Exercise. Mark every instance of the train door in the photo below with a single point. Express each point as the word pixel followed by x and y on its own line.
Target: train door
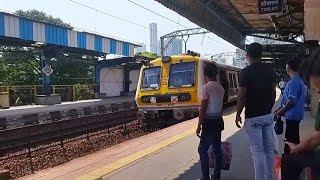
pixel 232 85
pixel 225 84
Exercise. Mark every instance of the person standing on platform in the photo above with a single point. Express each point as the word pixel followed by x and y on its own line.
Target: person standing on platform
pixel 292 104
pixel 210 123
pixel 282 85
pixel 257 94
pixel 306 153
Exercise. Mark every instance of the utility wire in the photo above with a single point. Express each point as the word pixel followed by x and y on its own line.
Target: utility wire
pixel 174 21
pixel 157 14
pixel 122 19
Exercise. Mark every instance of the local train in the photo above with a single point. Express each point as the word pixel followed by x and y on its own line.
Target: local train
pixel 170 86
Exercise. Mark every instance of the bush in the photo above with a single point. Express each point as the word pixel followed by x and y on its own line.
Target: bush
pixel 83 92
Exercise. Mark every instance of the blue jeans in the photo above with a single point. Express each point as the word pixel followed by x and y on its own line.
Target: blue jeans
pixel 259 131
pixel 207 139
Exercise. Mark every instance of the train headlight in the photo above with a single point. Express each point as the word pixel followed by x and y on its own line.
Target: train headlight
pixel 184 97
pixel 145 99
pixel 166 59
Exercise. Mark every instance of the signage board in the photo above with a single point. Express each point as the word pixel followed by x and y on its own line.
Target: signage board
pixel 47 70
pixel 269 7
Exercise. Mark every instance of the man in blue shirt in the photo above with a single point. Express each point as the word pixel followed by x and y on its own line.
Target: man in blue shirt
pixel 292 104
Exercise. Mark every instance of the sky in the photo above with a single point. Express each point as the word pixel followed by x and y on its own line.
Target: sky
pixel 92 20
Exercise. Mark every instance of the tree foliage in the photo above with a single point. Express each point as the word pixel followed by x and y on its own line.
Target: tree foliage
pixel 19 68
pixel 148 55
pixel 42 16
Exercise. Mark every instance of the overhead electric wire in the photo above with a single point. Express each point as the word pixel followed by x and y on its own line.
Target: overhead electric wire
pixel 108 14
pixel 173 21
pixel 158 14
pixel 103 12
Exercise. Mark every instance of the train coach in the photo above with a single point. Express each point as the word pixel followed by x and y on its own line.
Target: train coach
pixel 169 87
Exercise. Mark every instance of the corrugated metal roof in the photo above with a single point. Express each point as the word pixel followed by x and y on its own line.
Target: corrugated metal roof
pixel 234 19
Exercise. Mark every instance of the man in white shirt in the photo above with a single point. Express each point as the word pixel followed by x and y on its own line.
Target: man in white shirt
pixel 211 122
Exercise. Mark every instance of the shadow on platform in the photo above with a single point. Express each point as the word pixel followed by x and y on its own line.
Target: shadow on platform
pixel 241 166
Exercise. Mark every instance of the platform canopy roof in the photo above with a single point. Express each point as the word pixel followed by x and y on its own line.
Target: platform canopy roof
pixel 233 20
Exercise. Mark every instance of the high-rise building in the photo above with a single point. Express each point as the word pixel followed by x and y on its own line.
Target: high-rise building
pixel 174 48
pixel 240 59
pixel 140 49
pixel 153 38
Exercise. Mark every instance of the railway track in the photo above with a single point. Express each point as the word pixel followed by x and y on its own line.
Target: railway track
pixel 35 146
pixel 59 132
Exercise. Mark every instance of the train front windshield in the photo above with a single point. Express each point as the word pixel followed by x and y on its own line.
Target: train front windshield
pixel 182 75
pixel 151 78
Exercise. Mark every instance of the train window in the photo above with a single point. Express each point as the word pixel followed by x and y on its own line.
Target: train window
pixel 182 74
pixel 151 78
pixel 230 80
pixel 234 80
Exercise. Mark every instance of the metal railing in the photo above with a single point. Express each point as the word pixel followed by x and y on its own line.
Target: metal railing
pixel 26 94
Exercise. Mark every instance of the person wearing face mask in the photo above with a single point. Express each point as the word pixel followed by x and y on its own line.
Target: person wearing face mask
pixel 307 152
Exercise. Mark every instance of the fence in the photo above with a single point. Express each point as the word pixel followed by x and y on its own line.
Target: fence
pixel 26 94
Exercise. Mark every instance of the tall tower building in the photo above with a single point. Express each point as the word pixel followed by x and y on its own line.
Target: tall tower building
pixel 153 38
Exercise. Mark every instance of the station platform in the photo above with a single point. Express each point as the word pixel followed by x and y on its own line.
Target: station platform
pixel 37 109
pixel 167 154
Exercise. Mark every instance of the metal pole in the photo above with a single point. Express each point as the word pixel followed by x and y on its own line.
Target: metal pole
pixel 45 79
pixel 162 46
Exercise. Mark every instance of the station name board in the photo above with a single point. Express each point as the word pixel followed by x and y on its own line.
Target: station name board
pixel 270 6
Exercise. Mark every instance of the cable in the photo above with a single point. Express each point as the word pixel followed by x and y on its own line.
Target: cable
pixel 103 12
pixel 157 14
pixel 174 21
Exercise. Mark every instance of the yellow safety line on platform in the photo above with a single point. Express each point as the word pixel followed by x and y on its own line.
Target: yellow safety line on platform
pixel 104 170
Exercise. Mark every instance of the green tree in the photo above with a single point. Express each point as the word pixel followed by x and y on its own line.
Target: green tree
pixel 19 68
pixel 68 70
pixel 148 55
pixel 42 16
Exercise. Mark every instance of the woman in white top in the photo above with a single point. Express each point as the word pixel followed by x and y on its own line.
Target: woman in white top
pixel 211 122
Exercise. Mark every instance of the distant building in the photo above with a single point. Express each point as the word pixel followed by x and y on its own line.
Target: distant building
pixel 153 38
pixel 240 59
pixel 140 49
pixel 174 48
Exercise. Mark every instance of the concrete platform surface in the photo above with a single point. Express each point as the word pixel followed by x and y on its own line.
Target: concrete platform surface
pixel 36 109
pixel 168 154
